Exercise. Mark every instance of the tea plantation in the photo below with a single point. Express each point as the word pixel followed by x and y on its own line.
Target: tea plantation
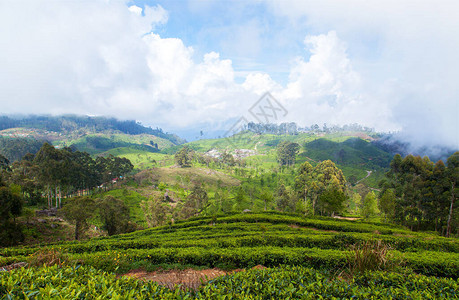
pixel 306 258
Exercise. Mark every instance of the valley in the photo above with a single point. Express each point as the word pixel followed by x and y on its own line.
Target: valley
pixel 263 215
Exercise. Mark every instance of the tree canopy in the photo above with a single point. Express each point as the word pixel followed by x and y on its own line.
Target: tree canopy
pixel 325 178
pixel 424 193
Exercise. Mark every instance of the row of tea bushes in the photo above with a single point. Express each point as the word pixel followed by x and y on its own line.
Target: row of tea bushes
pixel 278 283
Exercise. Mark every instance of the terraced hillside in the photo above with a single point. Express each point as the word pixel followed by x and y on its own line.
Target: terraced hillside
pixel 306 257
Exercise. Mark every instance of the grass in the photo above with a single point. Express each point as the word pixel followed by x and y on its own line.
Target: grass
pixel 142 159
pixel 132 199
pixel 100 142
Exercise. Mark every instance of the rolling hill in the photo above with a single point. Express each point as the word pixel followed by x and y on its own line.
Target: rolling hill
pixel 94 135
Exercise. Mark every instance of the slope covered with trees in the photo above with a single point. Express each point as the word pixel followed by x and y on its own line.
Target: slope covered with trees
pixel 422 195
pixel 72 123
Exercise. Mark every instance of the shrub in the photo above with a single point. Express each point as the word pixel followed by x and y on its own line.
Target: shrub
pixel 369 255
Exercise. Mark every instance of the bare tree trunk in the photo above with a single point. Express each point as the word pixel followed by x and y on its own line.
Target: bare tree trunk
pixel 313 206
pixel 448 226
pixel 57 197
pixel 49 197
pixel 60 197
pixel 77 230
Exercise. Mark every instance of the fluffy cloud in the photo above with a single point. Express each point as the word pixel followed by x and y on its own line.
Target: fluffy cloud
pixel 405 51
pixel 379 64
pixel 103 58
pixel 326 88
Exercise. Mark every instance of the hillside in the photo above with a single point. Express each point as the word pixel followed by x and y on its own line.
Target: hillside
pixel 94 135
pixel 295 249
pixel 356 153
pixel 83 124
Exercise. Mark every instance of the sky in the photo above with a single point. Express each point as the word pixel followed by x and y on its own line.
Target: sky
pixel 188 66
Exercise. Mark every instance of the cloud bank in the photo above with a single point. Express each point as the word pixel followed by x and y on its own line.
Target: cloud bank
pixel 388 65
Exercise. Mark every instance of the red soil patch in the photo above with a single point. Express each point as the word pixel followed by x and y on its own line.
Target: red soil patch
pixel 188 278
pixel 346 218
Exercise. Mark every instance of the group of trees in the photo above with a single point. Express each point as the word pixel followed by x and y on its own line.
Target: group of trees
pixel 10 208
pixel 272 128
pixel 286 153
pixel 157 209
pixel 337 128
pixel 292 128
pixel 112 212
pixel 184 157
pixel 55 173
pixel 321 188
pixel 420 194
pixel 15 148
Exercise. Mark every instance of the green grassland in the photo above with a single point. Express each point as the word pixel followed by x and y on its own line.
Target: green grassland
pixel 250 140
pixel 100 142
pixel 303 254
pixel 132 200
pixel 142 159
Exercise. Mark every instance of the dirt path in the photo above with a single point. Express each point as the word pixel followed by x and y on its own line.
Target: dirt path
pixel 189 278
pixel 368 175
pixel 346 218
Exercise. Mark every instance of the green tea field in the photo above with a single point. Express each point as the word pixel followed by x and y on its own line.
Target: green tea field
pixel 302 258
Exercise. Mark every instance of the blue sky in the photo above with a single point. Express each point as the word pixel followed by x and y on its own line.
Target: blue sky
pixel 196 65
pixel 247 33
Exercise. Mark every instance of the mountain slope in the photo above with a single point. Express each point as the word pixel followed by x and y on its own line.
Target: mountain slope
pixel 94 135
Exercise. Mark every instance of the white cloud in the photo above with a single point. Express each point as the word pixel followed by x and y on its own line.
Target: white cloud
pixel 105 58
pixel 326 88
pixel 100 58
pixel 135 9
pixel 260 83
pixel 406 52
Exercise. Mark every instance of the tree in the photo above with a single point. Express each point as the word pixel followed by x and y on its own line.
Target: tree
pixel 286 153
pixel 155 211
pixel 267 197
pixel 77 211
pixel 239 199
pixel 4 162
pixel 332 201
pixel 311 182
pixel 369 205
pixel 284 199
pixel 306 186
pixel 183 157
pixel 223 200
pixel 114 214
pixel 387 204
pixel 228 159
pixel 10 208
pixel 453 175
